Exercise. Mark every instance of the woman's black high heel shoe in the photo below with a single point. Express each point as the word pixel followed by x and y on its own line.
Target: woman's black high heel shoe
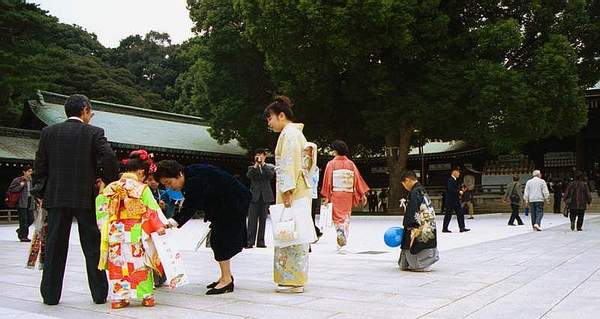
pixel 226 289
pixel 214 284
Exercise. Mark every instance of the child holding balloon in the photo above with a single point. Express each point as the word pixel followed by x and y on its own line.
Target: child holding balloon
pixel 419 243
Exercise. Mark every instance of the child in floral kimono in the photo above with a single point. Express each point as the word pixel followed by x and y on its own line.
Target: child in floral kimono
pixel 127 214
pixel 345 188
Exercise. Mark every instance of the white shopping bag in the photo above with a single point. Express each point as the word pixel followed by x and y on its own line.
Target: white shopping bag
pixel 300 213
pixel 171 261
pixel 326 216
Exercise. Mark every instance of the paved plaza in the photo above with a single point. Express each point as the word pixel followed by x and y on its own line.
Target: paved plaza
pixel 494 271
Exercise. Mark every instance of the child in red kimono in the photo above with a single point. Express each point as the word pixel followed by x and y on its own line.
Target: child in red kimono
pixel 345 188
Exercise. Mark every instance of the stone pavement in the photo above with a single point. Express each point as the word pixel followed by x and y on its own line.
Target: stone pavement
pixel 494 271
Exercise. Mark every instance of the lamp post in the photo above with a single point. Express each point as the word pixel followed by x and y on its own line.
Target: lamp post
pixel 421 143
pixel 422 153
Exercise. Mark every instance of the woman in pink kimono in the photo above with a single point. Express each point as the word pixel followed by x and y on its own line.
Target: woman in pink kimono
pixel 345 188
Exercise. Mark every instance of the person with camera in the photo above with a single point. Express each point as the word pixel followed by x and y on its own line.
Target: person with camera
pixel 260 174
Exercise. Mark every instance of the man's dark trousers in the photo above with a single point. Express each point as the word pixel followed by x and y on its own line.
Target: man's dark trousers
pixel 59 229
pixel 460 217
pixel 257 214
pixel 515 215
pixel 25 220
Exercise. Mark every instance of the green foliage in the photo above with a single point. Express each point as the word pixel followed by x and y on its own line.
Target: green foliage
pixel 227 83
pixel 442 67
pixel 38 52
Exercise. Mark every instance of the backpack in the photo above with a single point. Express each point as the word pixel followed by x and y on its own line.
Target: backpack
pixel 11 199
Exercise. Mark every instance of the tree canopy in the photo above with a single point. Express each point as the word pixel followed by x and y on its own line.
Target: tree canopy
pixel 384 75
pixel 39 52
pixel 496 74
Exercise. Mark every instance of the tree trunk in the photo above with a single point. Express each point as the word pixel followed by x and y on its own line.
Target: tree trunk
pixel 397 146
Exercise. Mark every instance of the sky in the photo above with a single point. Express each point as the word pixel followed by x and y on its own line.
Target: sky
pixel 113 20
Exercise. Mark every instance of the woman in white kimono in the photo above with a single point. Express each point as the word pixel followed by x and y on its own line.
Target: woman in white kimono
pixel 290 271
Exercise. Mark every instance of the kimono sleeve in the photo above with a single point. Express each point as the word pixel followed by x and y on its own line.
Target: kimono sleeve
pixel 150 220
pixel 288 168
pixel 416 198
pixel 101 209
pixel 327 187
pixel 102 218
pixel 360 186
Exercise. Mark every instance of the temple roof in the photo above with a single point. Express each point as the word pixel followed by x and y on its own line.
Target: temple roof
pixel 132 127
pixel 18 145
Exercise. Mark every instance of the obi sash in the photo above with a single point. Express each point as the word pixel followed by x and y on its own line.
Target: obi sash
pixel 343 180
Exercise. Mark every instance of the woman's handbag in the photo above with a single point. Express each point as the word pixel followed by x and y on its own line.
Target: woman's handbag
pixel 285 230
pixel 292 225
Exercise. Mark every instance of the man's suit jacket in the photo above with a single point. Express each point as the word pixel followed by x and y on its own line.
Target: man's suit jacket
pixel 66 164
pixel 452 195
pixel 260 179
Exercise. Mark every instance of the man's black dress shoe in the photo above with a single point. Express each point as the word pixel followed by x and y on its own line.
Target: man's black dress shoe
pixel 100 301
pixel 446 231
pixel 224 290
pixel 261 246
pixel 464 230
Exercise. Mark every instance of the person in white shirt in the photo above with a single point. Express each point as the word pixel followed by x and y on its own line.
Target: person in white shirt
pixel 536 193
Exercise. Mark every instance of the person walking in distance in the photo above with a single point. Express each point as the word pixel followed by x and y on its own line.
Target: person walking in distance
pixel 24 205
pixel 577 198
pixel 452 203
pixel 514 195
pixel 536 194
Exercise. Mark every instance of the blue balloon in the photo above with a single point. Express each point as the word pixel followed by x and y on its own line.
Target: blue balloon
pixel 393 236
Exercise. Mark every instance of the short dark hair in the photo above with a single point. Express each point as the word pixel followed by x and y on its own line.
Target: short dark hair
pixel 516 178
pixel 281 104
pixel 408 174
pixel 456 168
pixel 75 104
pixel 579 176
pixel 168 169
pixel 260 151
pixel 26 168
pixel 340 147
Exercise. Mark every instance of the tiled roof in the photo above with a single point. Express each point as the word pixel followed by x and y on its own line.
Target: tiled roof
pixel 131 126
pixel 19 145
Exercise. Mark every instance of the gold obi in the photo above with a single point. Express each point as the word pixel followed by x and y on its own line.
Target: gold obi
pixel 133 209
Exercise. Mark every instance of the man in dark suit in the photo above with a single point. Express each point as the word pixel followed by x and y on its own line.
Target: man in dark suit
pixel 452 203
pixel 64 177
pixel 260 175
